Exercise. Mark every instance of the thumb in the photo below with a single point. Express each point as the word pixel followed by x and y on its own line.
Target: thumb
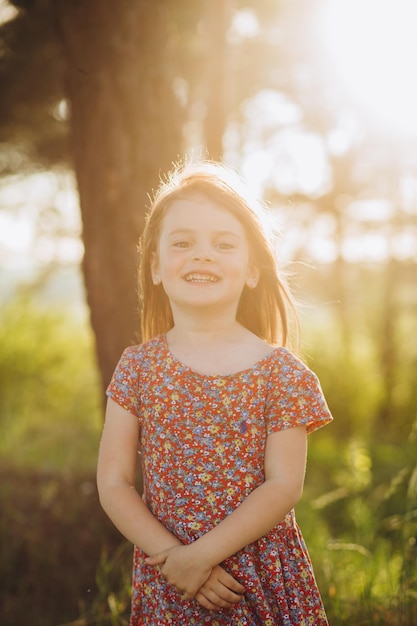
pixel 158 559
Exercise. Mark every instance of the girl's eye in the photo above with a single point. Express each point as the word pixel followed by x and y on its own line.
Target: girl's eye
pixel 181 244
pixel 224 245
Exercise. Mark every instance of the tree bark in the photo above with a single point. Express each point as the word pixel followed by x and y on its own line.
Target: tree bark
pixel 126 130
pixel 219 77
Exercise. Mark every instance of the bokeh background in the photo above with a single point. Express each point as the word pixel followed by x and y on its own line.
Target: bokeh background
pixel 315 104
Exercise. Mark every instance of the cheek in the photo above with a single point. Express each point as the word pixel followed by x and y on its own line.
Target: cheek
pixel 169 265
pixel 239 272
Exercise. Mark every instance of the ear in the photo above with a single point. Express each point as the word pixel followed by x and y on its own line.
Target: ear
pixel 252 276
pixel 156 278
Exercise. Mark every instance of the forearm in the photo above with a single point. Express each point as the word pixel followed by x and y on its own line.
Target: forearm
pixel 134 520
pixel 259 513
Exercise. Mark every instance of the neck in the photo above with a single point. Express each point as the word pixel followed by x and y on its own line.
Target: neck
pixel 204 322
pixel 216 350
pixel 202 334
pixel 205 328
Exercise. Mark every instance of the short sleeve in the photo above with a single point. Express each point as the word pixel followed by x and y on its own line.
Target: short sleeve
pixel 124 385
pixel 294 397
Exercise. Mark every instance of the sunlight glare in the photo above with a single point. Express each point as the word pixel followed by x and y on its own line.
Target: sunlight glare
pixel 372 47
pixel 245 25
pixel 7 11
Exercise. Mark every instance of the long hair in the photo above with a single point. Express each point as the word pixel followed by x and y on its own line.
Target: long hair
pixel 265 310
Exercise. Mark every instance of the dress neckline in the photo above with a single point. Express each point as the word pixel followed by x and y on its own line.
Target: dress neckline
pixel 163 340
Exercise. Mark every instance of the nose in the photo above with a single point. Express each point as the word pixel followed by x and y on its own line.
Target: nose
pixel 203 254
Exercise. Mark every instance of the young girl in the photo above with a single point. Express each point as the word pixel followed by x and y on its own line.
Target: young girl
pixel 219 410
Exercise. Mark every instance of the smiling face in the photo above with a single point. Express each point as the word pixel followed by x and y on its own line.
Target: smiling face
pixel 203 257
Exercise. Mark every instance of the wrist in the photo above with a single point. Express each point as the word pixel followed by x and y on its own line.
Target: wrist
pixel 166 546
pixel 203 552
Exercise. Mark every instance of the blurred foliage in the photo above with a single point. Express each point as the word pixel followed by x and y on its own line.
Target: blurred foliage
pixel 360 346
pixel 49 389
pixel 362 534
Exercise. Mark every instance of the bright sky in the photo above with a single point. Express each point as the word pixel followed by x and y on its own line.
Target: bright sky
pixel 43 229
pixel 371 48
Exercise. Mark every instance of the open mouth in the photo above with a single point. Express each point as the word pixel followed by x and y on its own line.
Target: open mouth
pixel 196 277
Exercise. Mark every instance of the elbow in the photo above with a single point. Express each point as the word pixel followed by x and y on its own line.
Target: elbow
pixel 107 493
pixel 296 488
pixel 101 482
pixel 113 491
pixel 290 493
pixel 102 492
pixel 297 493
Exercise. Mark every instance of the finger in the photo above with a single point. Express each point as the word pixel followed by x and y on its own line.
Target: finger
pixel 216 604
pixel 205 602
pixel 220 596
pixel 216 586
pixel 186 596
pixel 228 581
pixel 158 559
pixel 211 600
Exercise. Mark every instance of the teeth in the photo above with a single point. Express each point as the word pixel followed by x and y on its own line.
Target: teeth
pixel 201 278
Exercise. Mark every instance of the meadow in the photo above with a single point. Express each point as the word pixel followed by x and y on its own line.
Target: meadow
pixel 63 564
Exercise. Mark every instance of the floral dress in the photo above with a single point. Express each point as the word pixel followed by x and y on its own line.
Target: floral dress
pixel 202 441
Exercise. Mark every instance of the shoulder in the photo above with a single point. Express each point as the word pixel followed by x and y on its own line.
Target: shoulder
pixel 286 361
pixel 294 395
pixel 143 351
pixel 287 368
pixel 134 365
pixel 137 359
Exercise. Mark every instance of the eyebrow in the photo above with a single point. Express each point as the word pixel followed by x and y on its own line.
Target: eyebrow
pixel 190 231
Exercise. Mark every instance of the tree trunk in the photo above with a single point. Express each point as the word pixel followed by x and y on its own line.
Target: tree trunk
pixel 126 130
pixel 219 78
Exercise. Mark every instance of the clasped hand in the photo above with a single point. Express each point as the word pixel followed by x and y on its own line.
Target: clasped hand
pixel 212 587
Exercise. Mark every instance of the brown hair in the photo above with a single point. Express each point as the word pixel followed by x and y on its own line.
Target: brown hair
pixel 265 310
